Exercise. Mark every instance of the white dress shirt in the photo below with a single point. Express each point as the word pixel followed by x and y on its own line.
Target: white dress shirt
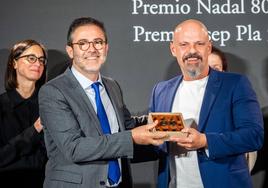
pixel 109 109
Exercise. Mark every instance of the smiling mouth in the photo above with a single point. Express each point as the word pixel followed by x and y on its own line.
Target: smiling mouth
pixel 37 71
pixel 91 57
pixel 192 59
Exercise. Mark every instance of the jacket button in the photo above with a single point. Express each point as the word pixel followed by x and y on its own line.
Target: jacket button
pixel 102 182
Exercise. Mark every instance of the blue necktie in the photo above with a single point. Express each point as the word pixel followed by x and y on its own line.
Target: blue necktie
pixel 113 170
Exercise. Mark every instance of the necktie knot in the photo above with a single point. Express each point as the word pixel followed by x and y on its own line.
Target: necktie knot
pixel 95 86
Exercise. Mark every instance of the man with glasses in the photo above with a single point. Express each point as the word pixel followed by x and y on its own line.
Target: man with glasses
pixel 85 119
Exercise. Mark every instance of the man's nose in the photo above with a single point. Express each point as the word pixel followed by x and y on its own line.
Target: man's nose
pixel 192 48
pixel 91 47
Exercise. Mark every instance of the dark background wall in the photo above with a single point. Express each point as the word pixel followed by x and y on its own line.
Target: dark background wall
pixel 139 32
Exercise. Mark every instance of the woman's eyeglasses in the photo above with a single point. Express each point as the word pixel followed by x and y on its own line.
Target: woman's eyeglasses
pixel 31 58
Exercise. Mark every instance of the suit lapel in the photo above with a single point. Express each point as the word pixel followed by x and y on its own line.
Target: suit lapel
pixel 171 92
pixel 166 103
pixel 210 95
pixel 112 93
pixel 77 90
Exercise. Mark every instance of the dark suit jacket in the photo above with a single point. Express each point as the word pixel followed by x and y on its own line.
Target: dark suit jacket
pixel 78 151
pixel 232 121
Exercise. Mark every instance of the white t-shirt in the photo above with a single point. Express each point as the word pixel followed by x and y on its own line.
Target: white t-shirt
pixel 188 101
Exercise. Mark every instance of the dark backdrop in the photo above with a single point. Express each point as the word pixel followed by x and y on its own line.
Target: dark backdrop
pixel 139 32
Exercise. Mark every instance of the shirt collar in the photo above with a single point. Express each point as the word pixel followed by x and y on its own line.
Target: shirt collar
pixel 198 84
pixel 17 99
pixel 84 81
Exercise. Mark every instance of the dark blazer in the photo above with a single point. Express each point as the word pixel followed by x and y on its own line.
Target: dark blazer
pixel 232 121
pixel 78 151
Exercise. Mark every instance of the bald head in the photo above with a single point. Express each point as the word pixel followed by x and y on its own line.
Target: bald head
pixel 191 46
pixel 190 26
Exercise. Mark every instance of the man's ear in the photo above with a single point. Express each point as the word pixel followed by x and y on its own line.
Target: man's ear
pixel 172 49
pixel 210 47
pixel 107 48
pixel 69 51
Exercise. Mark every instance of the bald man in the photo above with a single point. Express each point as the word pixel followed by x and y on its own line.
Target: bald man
pixel 225 109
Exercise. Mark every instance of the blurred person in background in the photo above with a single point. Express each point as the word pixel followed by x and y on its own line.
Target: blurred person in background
pixel 217 60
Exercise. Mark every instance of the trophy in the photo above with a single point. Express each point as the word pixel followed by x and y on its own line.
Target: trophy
pixel 171 123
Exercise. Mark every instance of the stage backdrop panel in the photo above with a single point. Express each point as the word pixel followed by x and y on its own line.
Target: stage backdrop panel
pixel 139 32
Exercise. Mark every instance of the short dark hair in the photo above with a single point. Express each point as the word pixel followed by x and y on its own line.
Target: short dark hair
pixel 81 22
pixel 222 57
pixel 11 75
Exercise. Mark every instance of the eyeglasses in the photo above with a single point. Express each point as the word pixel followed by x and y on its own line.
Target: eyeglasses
pixel 84 44
pixel 31 58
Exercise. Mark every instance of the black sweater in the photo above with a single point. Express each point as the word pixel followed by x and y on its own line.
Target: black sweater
pixel 22 150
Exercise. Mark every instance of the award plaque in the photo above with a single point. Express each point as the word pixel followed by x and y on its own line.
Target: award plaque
pixel 171 123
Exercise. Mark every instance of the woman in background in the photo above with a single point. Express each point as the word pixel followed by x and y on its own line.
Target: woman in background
pixel 22 150
pixel 217 60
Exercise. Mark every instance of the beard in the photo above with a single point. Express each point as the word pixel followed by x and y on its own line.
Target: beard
pixel 194 73
pixel 193 70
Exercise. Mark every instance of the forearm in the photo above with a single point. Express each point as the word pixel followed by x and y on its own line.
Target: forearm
pixel 18 146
